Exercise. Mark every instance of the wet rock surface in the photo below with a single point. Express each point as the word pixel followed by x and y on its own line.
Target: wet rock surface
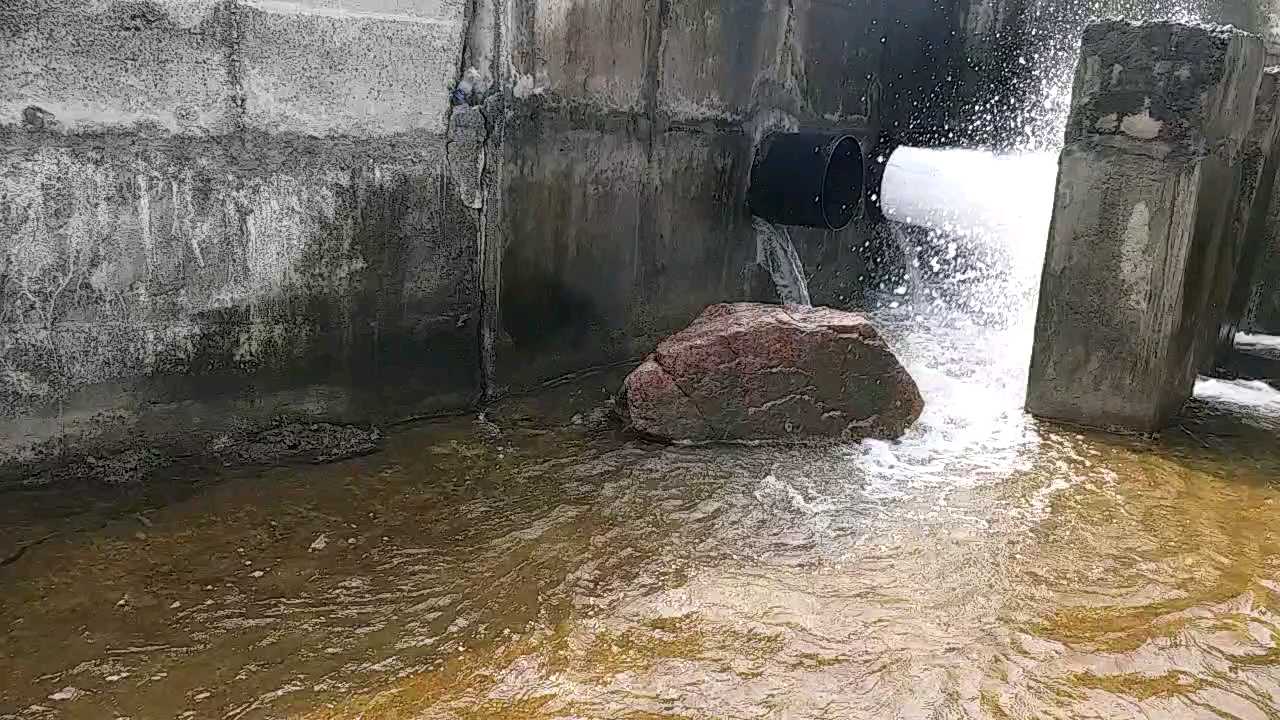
pixel 287 443
pixel 749 372
pixel 315 443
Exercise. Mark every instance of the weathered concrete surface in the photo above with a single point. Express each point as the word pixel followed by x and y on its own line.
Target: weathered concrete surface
pixel 1262 304
pixel 220 214
pixel 101 66
pixel 625 179
pixel 1149 177
pixel 1253 218
pixel 348 75
pixel 750 372
pixel 1263 315
pixel 214 217
pixel 601 274
pixel 273 276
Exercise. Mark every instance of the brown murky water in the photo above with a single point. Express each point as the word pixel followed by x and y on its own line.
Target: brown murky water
pixel 984 567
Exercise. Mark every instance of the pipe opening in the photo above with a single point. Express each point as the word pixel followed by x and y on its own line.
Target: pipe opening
pixel 842 185
pixel 808 179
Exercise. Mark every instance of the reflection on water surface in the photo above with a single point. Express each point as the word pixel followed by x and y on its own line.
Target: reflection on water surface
pixel 984 567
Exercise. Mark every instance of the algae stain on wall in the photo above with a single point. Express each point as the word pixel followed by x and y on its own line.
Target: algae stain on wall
pixel 110 271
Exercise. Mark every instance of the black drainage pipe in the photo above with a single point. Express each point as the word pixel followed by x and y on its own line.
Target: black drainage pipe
pixel 811 179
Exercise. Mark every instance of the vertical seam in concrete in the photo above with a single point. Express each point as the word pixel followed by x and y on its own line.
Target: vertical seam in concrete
pixel 486 296
pixel 485 331
pixel 790 79
pixel 651 86
pixel 233 38
pixel 654 41
pixel 468 16
pixel 492 180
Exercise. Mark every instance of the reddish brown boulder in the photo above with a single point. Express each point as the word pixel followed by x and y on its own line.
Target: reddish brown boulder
pixel 764 372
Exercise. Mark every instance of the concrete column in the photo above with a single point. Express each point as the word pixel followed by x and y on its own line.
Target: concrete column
pixel 1255 218
pixel 1148 180
pixel 1263 315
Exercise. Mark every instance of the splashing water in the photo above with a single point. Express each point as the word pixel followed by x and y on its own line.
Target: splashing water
pixel 985 219
pixel 1252 394
pixel 980 217
pixel 776 253
pixel 972 224
pixel 913 284
pixel 1265 344
pixel 1035 117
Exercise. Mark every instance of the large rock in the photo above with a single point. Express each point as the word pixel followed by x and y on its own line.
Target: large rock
pixel 763 372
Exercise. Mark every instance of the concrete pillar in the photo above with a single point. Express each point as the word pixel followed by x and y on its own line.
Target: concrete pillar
pixel 1147 183
pixel 1255 219
pixel 1263 314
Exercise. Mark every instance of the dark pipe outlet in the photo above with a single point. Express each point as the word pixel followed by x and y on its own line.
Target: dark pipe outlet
pixel 811 179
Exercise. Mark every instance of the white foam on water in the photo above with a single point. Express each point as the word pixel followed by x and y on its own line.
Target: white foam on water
pixel 1251 394
pixel 1250 341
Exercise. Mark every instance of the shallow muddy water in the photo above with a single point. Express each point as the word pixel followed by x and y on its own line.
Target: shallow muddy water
pixel 985 567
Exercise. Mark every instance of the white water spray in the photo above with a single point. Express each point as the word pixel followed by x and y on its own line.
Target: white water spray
pixel 988 212
pixel 985 218
pixel 970 192
pixel 975 198
pixel 1037 119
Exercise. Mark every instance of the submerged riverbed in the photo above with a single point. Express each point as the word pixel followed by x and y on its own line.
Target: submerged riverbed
pixel 987 566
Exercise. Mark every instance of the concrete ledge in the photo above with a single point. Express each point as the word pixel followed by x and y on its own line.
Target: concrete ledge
pixel 342 74
pixel 130 64
pixel 189 417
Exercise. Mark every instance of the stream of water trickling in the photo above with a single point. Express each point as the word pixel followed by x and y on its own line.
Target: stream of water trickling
pixel 776 253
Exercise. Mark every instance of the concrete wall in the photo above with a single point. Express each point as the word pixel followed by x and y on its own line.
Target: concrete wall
pixel 218 215
pixel 627 168
pixel 213 214
pixel 1253 219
